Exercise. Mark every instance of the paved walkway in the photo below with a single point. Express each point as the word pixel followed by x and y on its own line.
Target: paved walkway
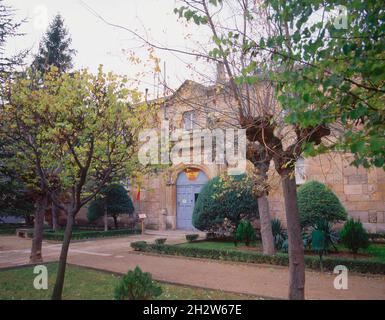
pixel 262 280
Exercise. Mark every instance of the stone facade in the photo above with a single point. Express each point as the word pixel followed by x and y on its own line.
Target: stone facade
pixel 361 191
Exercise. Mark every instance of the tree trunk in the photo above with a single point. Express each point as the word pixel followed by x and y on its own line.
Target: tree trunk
pixel 115 221
pixel 55 217
pixel 265 221
pixel 36 255
pixel 296 250
pixel 58 289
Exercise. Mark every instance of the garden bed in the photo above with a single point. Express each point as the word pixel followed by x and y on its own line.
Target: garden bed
pixel 282 259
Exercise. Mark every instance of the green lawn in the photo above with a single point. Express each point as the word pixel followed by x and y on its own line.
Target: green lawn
pixel 376 251
pixel 86 284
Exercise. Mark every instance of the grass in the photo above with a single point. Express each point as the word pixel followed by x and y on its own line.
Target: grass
pixel 376 251
pixel 87 284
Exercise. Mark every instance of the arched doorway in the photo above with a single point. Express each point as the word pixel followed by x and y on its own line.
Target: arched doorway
pixel 188 186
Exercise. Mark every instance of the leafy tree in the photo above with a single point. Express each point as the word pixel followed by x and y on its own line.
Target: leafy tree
pixel 73 133
pixel 113 201
pixel 137 285
pixel 316 201
pixel 338 70
pixel 54 49
pixel 224 197
pixel 354 236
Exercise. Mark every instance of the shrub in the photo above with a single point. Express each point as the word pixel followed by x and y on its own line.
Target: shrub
pixel 160 240
pixel 316 201
pixel 137 285
pixel 330 237
pixel 354 236
pixel 224 197
pixel 138 245
pixel 245 232
pixel 279 233
pixel 192 237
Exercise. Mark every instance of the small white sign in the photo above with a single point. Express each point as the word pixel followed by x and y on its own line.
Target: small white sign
pixel 142 216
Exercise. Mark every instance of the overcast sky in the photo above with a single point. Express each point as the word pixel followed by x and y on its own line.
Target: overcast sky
pixel 98 43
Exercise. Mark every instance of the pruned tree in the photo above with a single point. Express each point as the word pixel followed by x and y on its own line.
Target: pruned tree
pixel 80 124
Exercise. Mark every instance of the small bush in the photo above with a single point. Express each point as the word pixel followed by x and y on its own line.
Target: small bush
pixel 354 236
pixel 160 240
pixel 138 245
pixel 316 201
pixel 279 233
pixel 137 285
pixel 330 236
pixel 192 237
pixel 245 232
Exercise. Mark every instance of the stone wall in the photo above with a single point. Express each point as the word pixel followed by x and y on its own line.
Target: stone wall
pixel 361 191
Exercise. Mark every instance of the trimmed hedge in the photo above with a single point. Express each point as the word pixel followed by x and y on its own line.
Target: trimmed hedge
pixel 317 201
pixel 281 259
pixel 89 234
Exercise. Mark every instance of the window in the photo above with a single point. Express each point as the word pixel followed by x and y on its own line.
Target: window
pixel 189 120
pixel 300 176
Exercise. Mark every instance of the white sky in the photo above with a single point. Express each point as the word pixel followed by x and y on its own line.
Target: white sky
pixel 98 43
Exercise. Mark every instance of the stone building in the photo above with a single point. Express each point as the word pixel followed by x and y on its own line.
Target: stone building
pixel 168 195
